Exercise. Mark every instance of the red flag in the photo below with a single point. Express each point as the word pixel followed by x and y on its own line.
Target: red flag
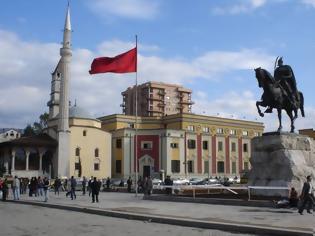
pixel 123 63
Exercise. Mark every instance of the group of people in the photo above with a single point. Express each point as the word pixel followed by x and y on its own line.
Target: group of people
pixel 37 186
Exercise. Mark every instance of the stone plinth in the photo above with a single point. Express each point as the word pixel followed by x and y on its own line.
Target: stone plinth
pixel 282 160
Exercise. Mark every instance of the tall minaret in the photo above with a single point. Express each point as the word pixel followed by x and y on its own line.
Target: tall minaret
pixel 63 122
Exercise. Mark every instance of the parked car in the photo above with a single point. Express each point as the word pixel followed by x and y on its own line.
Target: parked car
pixel 196 181
pixel 180 181
pixel 156 181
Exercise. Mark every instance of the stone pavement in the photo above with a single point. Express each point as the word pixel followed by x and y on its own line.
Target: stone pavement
pixel 256 220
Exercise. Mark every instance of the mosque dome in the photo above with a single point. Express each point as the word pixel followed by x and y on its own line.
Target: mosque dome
pixel 79 112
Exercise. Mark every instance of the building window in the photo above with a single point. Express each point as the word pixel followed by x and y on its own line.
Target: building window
pixel 220 146
pixel 190 128
pixel 191 143
pixel 205 129
pixel 219 131
pixel 233 167
pixel 77 166
pixel 84 132
pixel 96 152
pixel 246 165
pixel 233 147
pixel 205 145
pixel 77 152
pixel 245 133
pixel 146 145
pixel 118 143
pixel 245 147
pixel 206 167
pixel 174 145
pixel 131 125
pixel 190 166
pixel 118 166
pixel 220 166
pixel 175 165
pixel 96 166
pixel 232 132
pixel 256 134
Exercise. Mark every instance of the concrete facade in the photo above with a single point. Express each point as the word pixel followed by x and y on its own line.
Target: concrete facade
pixel 157 99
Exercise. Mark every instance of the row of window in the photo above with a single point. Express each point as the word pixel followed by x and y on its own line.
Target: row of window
pixel 191 144
pixel 77 166
pixel 175 166
pixel 96 152
pixel 219 130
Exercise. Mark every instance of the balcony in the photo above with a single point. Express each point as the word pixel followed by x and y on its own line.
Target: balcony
pixel 123 105
pixel 157 98
pixel 189 102
pixel 162 93
pixel 162 104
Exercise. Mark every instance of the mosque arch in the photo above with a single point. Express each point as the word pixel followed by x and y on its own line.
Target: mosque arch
pixel 20 159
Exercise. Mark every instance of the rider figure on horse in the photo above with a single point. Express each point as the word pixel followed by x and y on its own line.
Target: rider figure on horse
pixel 284 76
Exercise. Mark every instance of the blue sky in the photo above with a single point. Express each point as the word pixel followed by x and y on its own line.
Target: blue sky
pixel 211 47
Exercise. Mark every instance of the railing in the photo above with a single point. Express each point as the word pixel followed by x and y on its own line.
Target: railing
pixel 217 187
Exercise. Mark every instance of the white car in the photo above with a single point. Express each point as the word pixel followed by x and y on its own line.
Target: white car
pixel 180 181
pixel 156 181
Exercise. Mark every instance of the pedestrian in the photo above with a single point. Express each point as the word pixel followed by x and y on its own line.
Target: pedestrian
pixel 89 185
pixel 57 185
pixel 46 188
pixel 40 186
pixel 140 184
pixel 168 182
pixel 107 182
pixel 150 185
pixel 5 189
pixel 73 183
pixel 293 198
pixel 83 185
pixel 95 187
pixel 129 183
pixel 16 188
pixel 145 185
pixel 306 196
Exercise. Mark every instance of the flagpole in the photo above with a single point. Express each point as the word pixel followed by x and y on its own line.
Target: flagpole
pixel 136 123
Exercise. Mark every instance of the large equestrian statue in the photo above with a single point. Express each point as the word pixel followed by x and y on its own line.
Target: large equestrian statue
pixel 280 92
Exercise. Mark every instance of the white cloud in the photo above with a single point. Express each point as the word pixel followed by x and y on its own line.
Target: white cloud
pixel 136 9
pixel 309 2
pixel 242 6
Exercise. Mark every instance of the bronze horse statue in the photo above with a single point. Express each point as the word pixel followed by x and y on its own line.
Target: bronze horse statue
pixel 274 96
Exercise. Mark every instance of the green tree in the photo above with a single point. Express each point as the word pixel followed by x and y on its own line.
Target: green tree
pixel 37 127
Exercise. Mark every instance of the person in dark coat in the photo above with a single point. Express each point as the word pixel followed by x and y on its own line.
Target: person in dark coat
pixel 83 185
pixel 5 188
pixel 306 196
pixel 107 182
pixel 168 182
pixel 129 183
pixel 73 184
pixel 57 185
pixel 95 187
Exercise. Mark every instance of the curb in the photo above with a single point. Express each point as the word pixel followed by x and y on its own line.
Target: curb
pixel 216 201
pixel 236 228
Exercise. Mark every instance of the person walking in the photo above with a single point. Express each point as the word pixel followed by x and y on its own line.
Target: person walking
pixel 150 185
pixel 129 183
pixel 73 184
pixel 46 188
pixel 306 196
pixel 5 189
pixel 83 185
pixel 95 187
pixel 90 185
pixel 107 183
pixel 40 186
pixel 16 188
pixel 57 185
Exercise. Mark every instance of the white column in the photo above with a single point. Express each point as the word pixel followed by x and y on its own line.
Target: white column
pixel 13 161
pixel 27 153
pixel 41 152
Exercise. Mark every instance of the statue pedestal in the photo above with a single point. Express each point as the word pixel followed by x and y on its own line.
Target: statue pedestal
pixel 281 160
